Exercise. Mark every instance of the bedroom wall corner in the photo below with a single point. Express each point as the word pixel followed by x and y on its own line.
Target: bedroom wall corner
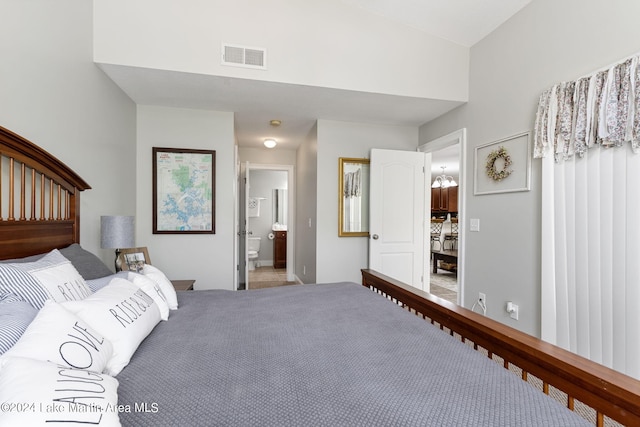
pixel 53 94
pixel 509 70
pixel 207 258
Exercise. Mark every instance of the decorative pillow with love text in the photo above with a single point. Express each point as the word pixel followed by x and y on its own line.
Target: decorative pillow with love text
pixel 59 336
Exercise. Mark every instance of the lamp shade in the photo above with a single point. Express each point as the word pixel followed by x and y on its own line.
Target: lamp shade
pixel 117 232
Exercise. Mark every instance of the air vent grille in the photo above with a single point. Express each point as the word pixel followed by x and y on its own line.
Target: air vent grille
pixel 243 56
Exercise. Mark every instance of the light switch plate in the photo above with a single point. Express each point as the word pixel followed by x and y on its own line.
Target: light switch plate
pixel 474 224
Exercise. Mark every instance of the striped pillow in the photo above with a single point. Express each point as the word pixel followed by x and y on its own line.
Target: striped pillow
pixel 51 277
pixel 19 282
pixel 15 316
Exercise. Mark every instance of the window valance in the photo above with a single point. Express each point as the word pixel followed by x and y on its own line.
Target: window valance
pixel 599 110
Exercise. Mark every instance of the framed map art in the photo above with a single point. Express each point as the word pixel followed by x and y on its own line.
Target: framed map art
pixel 183 191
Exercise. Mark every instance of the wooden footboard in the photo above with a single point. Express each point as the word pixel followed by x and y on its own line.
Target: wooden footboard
pixel 610 394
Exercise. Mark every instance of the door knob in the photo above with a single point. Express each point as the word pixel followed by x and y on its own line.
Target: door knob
pixel 375 237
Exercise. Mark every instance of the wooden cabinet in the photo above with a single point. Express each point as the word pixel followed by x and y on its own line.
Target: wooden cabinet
pixel 453 199
pixel 280 249
pixel 439 199
pixel 444 199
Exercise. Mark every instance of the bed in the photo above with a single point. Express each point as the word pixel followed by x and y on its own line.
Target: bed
pixel 375 353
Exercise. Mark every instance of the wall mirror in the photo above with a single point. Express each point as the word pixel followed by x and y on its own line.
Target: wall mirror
pixel 353 197
pixel 280 206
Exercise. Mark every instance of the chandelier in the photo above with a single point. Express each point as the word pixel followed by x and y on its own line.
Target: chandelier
pixel 443 180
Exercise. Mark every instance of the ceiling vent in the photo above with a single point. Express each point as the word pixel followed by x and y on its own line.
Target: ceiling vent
pixel 244 56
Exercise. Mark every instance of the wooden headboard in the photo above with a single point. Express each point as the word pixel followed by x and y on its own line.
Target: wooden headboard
pixel 39 199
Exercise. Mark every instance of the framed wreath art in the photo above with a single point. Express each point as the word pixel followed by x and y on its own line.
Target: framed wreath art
pixel 503 166
pixel 501 156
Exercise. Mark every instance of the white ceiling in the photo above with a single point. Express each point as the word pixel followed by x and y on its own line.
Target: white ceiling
pixel 464 22
pixel 449 158
pixel 255 103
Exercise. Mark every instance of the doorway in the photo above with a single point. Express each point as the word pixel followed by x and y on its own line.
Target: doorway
pixel 266 216
pixel 449 151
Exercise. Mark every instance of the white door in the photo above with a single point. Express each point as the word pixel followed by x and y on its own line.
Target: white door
pixel 245 227
pixel 398 214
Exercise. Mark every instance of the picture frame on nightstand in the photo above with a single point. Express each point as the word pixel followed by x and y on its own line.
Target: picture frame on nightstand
pixel 133 259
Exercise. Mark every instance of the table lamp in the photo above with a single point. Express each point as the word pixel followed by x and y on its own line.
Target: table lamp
pixel 117 232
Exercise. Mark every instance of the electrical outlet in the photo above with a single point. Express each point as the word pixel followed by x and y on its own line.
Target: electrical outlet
pixel 514 313
pixel 512 309
pixel 482 298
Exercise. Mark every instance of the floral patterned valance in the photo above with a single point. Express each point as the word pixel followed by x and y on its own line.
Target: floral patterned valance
pixel 599 110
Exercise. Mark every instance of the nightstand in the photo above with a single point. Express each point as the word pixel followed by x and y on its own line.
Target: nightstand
pixel 183 285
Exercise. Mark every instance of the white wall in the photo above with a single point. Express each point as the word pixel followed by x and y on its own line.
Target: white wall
pixel 509 70
pixel 207 258
pixel 266 156
pixel 320 43
pixel 341 258
pixel 52 94
pixel 306 207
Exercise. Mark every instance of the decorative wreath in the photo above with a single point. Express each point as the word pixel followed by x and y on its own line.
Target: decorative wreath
pixel 492 171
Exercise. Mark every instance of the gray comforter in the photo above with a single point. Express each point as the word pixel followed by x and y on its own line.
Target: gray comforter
pixel 317 355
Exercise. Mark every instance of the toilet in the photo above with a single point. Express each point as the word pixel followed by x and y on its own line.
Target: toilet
pixel 254 249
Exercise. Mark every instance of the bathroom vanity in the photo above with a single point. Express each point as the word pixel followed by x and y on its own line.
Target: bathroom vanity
pixel 280 249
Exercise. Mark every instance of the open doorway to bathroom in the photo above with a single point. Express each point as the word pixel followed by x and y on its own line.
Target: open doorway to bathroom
pixel 267 253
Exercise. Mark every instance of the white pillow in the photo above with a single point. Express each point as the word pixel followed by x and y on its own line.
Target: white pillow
pixel 152 289
pixel 59 336
pixel 37 393
pixel 121 312
pixel 96 284
pixel 165 284
pixel 51 277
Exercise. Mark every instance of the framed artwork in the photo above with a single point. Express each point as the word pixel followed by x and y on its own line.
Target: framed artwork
pixel 353 197
pixel 183 191
pixel 503 166
pixel 133 259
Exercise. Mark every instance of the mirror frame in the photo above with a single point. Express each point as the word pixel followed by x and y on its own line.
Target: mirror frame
pixel 342 162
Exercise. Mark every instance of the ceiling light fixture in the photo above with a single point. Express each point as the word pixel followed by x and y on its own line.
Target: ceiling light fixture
pixel 443 180
pixel 270 143
pixel 275 123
